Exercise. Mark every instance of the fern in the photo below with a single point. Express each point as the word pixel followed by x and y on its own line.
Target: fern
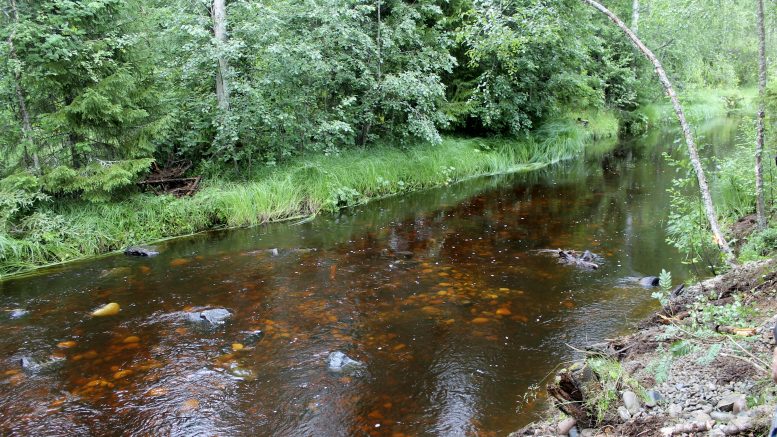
pixel 681 348
pixel 710 355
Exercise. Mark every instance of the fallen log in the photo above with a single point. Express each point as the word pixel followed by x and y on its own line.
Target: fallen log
pixel 170 180
pixel 684 428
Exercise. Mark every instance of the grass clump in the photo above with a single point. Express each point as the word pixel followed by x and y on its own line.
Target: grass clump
pixel 612 378
pixel 760 245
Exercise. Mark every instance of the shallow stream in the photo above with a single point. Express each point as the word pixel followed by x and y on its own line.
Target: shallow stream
pixel 442 296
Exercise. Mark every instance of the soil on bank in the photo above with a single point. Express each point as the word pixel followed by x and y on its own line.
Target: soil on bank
pixel 688 382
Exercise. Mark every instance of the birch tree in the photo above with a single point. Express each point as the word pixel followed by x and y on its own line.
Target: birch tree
pixel 759 138
pixel 219 13
pixel 693 152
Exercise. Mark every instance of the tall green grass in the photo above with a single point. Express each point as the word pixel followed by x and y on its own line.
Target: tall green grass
pixel 69 230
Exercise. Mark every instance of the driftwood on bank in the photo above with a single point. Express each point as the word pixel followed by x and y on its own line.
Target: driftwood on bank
pixel 169 179
pixel 569 398
pixel 684 428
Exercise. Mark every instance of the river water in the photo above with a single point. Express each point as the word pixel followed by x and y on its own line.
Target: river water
pixel 443 296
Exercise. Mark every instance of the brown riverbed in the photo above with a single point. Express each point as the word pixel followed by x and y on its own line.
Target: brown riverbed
pixel 441 294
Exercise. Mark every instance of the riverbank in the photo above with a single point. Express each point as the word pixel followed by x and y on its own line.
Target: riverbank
pixel 60 231
pixel 701 364
pixel 56 231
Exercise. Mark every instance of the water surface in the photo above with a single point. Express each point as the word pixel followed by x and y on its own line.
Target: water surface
pixel 442 295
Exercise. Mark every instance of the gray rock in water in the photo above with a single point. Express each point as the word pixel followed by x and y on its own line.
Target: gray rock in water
pixel 29 364
pixel 214 316
pixel 18 313
pixel 140 251
pixel 338 362
pixel 631 402
pixel 649 281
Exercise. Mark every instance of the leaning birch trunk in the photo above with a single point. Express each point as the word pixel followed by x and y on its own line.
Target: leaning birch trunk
pixel 760 204
pixel 635 17
pixel 220 32
pixel 709 208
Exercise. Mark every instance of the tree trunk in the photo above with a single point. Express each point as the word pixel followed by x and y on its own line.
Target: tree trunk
pixel 219 13
pixel 693 153
pixel 635 17
pixel 29 159
pixel 760 205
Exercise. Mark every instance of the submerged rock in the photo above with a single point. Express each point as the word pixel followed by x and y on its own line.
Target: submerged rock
pixel 253 337
pixel 110 309
pixel 236 371
pixel 649 281
pixel 338 362
pixel 30 364
pixel 141 251
pixel 18 313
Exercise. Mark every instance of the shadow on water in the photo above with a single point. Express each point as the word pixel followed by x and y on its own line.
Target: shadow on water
pixel 441 294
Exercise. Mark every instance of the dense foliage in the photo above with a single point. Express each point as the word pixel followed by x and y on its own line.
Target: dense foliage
pixel 110 80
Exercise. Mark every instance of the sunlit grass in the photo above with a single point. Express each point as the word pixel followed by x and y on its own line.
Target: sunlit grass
pixel 699 105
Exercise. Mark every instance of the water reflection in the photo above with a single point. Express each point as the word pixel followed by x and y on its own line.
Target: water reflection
pixel 442 295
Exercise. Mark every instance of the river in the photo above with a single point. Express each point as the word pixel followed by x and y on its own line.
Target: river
pixel 442 295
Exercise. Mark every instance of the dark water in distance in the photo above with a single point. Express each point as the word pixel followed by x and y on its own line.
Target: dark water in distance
pixel 451 338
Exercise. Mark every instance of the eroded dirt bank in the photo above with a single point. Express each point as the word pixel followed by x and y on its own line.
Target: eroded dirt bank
pixel 700 366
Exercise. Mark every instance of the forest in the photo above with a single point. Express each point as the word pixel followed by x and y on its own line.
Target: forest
pixel 284 109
